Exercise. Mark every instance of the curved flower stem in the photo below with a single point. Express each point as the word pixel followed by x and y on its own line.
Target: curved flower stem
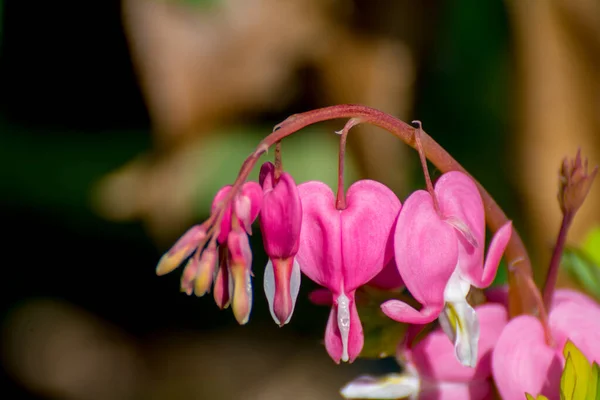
pixel 548 288
pixel 340 202
pixel 278 162
pixel 423 158
pixel 521 300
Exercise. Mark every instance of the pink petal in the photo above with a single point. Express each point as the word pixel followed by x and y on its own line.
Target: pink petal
pixel 250 207
pixel 426 255
pixel 497 294
pixel 580 323
pixel 569 295
pixel 320 251
pixel 334 342
pixel 225 226
pixel 459 199
pixel 402 312
pixel 248 204
pixel 221 287
pixel 435 359
pixel 388 279
pixel 281 217
pixel 475 390
pixel 522 362
pixel 321 297
pixel 367 221
pixel 266 171
pixel 460 202
pixel 484 278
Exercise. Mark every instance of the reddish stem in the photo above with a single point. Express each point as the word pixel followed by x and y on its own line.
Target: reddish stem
pixel 521 300
pixel 419 147
pixel 278 163
pixel 340 202
pixel 555 260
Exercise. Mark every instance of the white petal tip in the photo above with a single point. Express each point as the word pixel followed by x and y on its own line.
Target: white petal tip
pixel 393 386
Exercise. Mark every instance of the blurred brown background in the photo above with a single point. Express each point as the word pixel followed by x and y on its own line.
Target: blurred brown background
pixel 120 120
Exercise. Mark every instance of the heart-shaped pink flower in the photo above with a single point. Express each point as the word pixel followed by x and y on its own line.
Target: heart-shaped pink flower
pixel 439 254
pixel 344 249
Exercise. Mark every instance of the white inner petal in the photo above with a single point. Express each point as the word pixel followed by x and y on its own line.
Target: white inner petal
pixel 459 320
pixel 392 386
pixel 343 319
pixel 460 323
pixel 294 286
pixel 457 288
pixel 269 285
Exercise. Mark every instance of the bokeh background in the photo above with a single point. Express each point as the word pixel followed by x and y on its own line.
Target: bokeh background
pixel 119 120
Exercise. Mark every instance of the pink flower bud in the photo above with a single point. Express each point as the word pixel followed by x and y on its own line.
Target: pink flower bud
pixel 182 249
pixel 280 222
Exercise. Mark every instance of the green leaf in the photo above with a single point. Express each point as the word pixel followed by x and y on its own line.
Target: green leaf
pixel 591 245
pixel 583 270
pixel 593 389
pixel 568 380
pixel 575 380
pixel 539 397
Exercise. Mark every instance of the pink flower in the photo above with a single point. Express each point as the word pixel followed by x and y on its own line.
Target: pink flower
pixel 432 370
pixel 233 259
pixel 523 362
pixel 280 222
pixel 344 249
pixel 439 254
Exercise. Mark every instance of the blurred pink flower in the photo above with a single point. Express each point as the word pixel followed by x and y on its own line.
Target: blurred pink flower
pixel 523 362
pixel 280 222
pixel 432 370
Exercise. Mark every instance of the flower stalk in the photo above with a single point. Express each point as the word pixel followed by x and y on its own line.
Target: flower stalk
pixel 521 300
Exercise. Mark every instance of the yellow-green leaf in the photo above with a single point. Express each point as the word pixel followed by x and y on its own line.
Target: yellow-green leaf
pixel 568 380
pixel 581 370
pixel 539 397
pixel 591 245
pixel 593 389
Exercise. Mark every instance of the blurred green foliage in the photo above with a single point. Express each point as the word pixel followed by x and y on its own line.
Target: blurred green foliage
pixel 583 263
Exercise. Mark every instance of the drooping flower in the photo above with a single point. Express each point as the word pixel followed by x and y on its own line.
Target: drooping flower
pixel 432 370
pixel 344 249
pixel 524 362
pixel 220 251
pixel 440 254
pixel 280 222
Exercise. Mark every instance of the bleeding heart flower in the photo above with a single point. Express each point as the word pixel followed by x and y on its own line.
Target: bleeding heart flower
pixel 523 361
pixel 280 222
pixel 439 254
pixel 344 249
pixel 432 370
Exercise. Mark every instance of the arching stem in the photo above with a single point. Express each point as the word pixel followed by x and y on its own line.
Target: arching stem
pixel 521 300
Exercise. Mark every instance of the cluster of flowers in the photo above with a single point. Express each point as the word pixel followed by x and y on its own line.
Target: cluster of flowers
pixel 432 245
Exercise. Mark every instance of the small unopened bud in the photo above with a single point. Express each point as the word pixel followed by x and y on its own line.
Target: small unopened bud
pixel 575 183
pixel 182 249
pixel 188 276
pixel 206 271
